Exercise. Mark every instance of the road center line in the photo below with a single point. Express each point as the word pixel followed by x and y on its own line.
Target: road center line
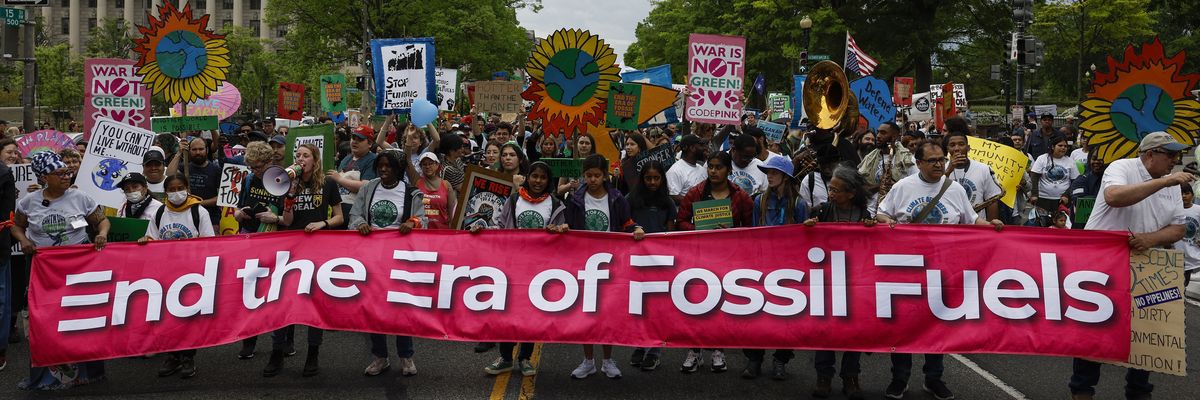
pixel 1016 394
pixel 528 383
pixel 500 385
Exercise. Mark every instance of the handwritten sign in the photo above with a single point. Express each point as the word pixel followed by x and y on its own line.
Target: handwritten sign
pixel 404 72
pixel 24 177
pixel 623 103
pixel 43 140
pixel 960 95
pixel 1083 209
pixel 902 90
pixel 773 130
pixel 333 93
pixel 114 151
pixel 1007 163
pixel 874 100
pixel 712 214
pixel 716 71
pixel 233 179
pixel 183 124
pixel 1157 337
pixel 564 167
pixel 112 90
pixel 222 103
pixel 499 97
pixel 291 101
pixel 447 86
pixel 663 154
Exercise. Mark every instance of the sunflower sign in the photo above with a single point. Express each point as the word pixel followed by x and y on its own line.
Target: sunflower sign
pixel 569 74
pixel 1144 93
pixel 180 58
pixel 404 72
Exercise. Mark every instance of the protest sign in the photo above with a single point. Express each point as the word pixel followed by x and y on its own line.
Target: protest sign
pixel 126 229
pixel 874 100
pixel 354 118
pixel 902 90
pixel 404 72
pixel 658 76
pixel 229 224
pixel 1158 312
pixel 333 93
pixel 291 101
pixel 316 135
pixel 180 58
pixel 498 97
pixel 223 103
pixel 114 151
pixel 1018 112
pixel 564 167
pixel 1007 163
pixel 112 90
pixel 447 86
pixel 716 68
pixel 773 130
pixel 1083 209
pixel 960 95
pixel 43 140
pixel 23 177
pixel 233 179
pixel 664 154
pixel 922 108
pixel 183 124
pixel 481 197
pixel 712 214
pixel 623 103
pixel 777 104
pixel 1044 109
pixel 798 100
pixel 851 288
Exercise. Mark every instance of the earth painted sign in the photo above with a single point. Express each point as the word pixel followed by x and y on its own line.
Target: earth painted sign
pixel 114 151
pixel 716 71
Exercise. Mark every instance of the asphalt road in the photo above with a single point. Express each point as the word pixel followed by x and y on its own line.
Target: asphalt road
pixel 450 370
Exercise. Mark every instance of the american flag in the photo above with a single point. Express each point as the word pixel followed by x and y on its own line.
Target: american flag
pixel 857 60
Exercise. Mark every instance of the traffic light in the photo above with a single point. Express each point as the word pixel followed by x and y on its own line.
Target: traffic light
pixel 1022 10
pixel 804 58
pixel 360 82
pixel 1030 52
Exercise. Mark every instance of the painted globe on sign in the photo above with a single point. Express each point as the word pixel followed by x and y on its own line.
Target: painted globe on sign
pixel 1140 110
pixel 572 77
pixel 181 54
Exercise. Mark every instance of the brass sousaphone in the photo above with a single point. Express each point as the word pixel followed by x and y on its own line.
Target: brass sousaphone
pixel 830 106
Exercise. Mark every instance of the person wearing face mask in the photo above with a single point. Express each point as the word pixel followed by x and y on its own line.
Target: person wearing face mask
pixel 204 176
pixel 138 201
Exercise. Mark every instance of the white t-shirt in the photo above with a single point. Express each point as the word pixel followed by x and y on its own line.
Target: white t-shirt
pixel 177 225
pixel 1080 158
pixel 535 215
pixel 347 195
pixel 909 196
pixel 63 222
pixel 683 177
pixel 1057 174
pixel 1162 208
pixel 750 179
pixel 819 193
pixel 595 213
pixel 1190 244
pixel 387 206
pixel 156 187
pixel 978 181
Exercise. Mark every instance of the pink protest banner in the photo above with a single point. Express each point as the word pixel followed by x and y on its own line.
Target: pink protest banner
pixel 942 289
pixel 43 140
pixel 716 69
pixel 222 103
pixel 111 90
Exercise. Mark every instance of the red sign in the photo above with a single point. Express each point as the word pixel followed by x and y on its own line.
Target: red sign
pixel 902 88
pixel 291 101
pixel 941 289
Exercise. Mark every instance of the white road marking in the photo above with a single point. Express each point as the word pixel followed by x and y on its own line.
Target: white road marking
pixel 1192 302
pixel 1016 394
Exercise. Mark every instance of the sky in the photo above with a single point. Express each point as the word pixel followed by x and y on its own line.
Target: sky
pixel 613 20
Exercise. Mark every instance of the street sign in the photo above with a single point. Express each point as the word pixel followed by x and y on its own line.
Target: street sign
pixel 183 124
pixel 818 57
pixel 33 3
pixel 13 16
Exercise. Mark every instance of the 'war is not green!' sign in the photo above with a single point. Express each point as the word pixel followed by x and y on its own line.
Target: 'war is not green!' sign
pixel 623 103
pixel 184 124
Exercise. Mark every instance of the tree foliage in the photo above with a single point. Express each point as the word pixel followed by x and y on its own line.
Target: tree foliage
pixel 110 39
pixel 60 78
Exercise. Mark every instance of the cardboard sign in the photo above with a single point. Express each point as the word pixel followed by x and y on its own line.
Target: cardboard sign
pixel 798 100
pixel 874 100
pixel 183 124
pixel 499 97
pixel 712 214
pixel 1157 337
pixel 1007 163
pixel 43 140
pixel 623 103
pixel 564 167
pixel 716 71
pixel 404 72
pixel 481 197
pixel 960 95
pixel 333 93
pixel 24 178
pixel 777 104
pixel 291 101
pixel 316 135
pixel 663 154
pixel 233 179
pixel 126 229
pixel 112 90
pixel 1083 209
pixel 222 103
pixel 114 151
pixel 773 130
pixel 902 90
pixel 447 88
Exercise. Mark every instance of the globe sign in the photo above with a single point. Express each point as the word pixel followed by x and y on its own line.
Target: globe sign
pixel 181 54
pixel 1140 110
pixel 572 77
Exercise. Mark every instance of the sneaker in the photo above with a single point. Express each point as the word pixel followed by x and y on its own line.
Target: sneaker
pixel 637 357
pixel 779 371
pixel 651 362
pixel 895 390
pixel 170 366
pixel 610 369
pixel 408 367
pixel 187 368
pixel 274 364
pixel 851 388
pixel 939 390
pixel 753 370
pixel 312 366
pixel 718 361
pixel 498 367
pixel 377 367
pixel 483 347
pixel 247 351
pixel 289 349
pixel 585 368
pixel 824 387
pixel 692 363
pixel 527 368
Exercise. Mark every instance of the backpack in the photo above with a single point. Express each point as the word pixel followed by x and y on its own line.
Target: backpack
pixel 195 217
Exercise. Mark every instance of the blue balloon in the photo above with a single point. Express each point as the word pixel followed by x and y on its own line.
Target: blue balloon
pixel 423 112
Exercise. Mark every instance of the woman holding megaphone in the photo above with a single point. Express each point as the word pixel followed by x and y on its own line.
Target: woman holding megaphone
pixel 312 204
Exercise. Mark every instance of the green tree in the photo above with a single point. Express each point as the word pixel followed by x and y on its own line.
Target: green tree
pixel 1080 33
pixel 60 78
pixel 111 39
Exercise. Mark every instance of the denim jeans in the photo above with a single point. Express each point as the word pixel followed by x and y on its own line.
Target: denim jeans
pixel 279 338
pixel 756 355
pixel 6 309
pixel 824 361
pixel 902 367
pixel 1086 374
pixel 506 351
pixel 404 346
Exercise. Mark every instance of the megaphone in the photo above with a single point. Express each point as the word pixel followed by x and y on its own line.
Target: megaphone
pixel 278 180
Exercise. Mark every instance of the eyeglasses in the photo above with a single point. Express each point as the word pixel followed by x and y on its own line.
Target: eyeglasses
pixel 834 189
pixel 1169 153
pixel 936 160
pixel 62 174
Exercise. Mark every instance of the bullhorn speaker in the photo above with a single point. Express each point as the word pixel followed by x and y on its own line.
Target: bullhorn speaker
pixel 277 181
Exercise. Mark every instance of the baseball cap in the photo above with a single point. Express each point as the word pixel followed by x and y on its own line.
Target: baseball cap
pixel 689 140
pixel 1160 139
pixel 778 163
pixel 132 178
pixel 257 136
pixel 154 154
pixel 428 155
pixel 1047 116
pixel 278 139
pixel 364 132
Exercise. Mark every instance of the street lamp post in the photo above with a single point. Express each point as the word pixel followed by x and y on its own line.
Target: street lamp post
pixel 806 26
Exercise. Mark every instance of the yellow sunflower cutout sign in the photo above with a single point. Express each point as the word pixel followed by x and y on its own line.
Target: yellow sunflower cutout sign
pixel 1144 93
pixel 570 73
pixel 179 57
